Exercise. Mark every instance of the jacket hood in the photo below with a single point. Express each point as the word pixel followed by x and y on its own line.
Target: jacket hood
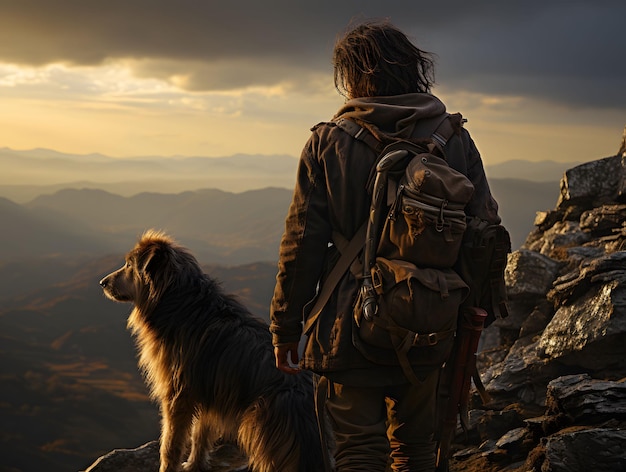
pixel 395 116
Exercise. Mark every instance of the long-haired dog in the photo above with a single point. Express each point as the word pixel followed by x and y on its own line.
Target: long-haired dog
pixel 210 365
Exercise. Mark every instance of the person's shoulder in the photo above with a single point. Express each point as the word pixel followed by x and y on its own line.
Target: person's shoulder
pixel 323 126
pixel 329 131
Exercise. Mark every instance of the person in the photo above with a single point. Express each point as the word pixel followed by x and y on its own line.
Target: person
pixel 377 415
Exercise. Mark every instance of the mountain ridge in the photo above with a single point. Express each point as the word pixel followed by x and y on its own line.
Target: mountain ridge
pixel 219 226
pixel 27 174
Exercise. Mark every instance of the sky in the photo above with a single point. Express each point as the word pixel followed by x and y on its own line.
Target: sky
pixel 536 79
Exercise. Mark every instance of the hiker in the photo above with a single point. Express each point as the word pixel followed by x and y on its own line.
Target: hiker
pixel 377 415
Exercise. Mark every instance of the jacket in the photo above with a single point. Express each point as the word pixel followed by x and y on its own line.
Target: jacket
pixel 330 196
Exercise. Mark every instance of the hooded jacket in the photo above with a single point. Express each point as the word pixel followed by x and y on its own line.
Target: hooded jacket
pixel 331 196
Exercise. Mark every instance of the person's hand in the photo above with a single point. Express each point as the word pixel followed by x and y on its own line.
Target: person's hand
pixel 285 353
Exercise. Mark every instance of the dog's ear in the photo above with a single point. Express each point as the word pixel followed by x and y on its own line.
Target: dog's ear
pixel 159 269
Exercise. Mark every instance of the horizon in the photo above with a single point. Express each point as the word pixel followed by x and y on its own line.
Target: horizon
pixel 214 80
pixel 27 173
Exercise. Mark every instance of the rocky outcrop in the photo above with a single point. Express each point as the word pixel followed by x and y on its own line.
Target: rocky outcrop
pixel 555 367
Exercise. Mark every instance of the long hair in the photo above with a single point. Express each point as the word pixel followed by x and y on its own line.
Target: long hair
pixel 377 59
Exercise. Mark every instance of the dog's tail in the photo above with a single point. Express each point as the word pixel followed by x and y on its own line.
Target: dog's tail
pixel 279 432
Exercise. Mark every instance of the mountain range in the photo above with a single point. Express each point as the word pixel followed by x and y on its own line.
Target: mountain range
pixel 27 174
pixel 228 210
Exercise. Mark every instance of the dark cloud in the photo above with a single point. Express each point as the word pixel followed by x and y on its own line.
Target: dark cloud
pixel 569 51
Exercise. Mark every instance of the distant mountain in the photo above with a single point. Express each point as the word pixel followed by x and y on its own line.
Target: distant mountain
pixel 38 233
pixel 519 202
pixel 536 171
pixel 26 174
pixel 220 227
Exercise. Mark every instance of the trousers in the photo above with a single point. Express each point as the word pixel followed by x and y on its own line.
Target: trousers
pixel 377 429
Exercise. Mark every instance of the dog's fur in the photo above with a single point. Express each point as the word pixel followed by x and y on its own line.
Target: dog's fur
pixel 210 365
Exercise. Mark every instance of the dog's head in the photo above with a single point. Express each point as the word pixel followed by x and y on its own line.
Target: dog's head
pixel 155 265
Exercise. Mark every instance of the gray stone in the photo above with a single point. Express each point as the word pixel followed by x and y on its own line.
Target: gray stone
pixel 606 269
pixel 545 220
pixel 537 320
pixel 587 400
pixel 225 458
pixel 597 450
pixel 522 375
pixel 512 438
pixel 563 234
pixel 591 184
pixel 593 317
pixel 604 220
pixel 621 184
pixel 144 458
pixel 529 274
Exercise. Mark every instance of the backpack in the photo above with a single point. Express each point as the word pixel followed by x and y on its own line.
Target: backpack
pixel 420 259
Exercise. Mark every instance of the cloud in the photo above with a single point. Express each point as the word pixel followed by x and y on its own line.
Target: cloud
pixel 568 52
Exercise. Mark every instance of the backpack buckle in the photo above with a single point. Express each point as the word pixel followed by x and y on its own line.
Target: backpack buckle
pixel 425 339
pixel 377 280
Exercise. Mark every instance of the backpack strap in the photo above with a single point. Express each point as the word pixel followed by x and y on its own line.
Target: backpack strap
pixel 360 133
pixel 348 254
pixel 404 339
pixel 443 131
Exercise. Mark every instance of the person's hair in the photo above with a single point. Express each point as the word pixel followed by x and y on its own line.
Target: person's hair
pixel 377 59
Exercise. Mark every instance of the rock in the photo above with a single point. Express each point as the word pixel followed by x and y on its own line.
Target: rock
pixel 144 458
pixel 495 424
pixel 597 450
pixel 529 275
pixel 562 234
pixel 522 375
pixel 621 184
pixel 607 269
pixel 595 317
pixel 547 219
pixel 602 221
pixel 537 319
pixel 226 458
pixel 591 184
pixel 515 443
pixel 587 400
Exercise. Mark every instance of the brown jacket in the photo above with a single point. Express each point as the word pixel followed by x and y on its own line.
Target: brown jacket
pixel 330 196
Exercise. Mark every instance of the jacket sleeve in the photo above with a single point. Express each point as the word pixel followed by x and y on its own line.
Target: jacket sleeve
pixel 302 250
pixel 482 204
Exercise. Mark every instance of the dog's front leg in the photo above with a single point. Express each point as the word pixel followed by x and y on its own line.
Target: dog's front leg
pixel 203 438
pixel 176 420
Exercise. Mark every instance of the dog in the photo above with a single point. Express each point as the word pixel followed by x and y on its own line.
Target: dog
pixel 209 363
